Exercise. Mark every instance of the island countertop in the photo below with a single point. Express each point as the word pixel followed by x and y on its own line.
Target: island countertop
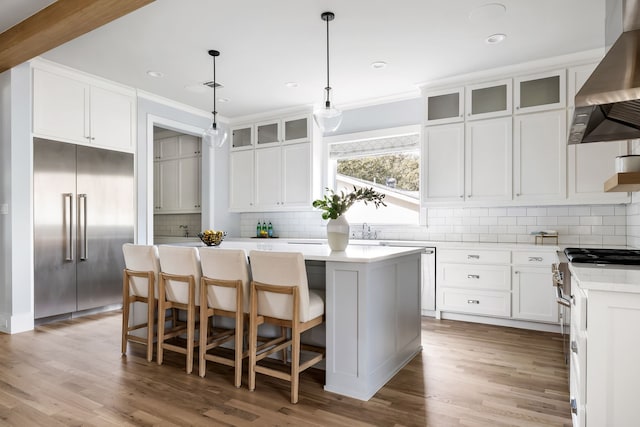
pixel 320 251
pixel 615 278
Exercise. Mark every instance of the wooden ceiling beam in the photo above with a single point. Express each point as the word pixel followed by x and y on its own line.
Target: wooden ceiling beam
pixel 58 23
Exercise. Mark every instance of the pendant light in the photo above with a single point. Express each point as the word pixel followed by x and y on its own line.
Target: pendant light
pixel 328 118
pixel 216 136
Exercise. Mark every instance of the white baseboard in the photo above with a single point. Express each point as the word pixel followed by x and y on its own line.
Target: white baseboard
pixel 15 324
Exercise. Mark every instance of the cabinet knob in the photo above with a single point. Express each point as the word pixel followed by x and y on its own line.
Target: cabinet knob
pixel 473 301
pixel 462 196
pixel 535 259
pixel 473 256
pixel 516 272
pixel 473 276
pixel 517 194
pixel 574 406
pixel 468 196
pixel 574 347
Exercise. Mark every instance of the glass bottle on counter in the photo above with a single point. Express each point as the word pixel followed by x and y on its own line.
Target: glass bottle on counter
pixel 258 229
pixel 263 229
pixel 270 230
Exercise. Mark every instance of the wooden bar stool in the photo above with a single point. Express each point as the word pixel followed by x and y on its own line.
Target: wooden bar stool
pixel 179 287
pixel 280 295
pixel 224 291
pixel 139 284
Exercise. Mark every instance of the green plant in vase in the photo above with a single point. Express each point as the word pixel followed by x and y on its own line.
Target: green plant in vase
pixel 334 205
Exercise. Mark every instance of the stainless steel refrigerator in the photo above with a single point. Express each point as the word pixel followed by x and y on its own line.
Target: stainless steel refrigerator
pixel 83 213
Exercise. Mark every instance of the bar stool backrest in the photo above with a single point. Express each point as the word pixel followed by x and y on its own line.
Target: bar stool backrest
pixel 225 264
pixel 141 258
pixel 184 261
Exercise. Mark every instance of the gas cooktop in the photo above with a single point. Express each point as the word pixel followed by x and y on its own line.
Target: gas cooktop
pixel 603 256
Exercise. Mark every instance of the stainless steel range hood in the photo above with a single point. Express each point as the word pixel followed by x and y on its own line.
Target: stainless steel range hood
pixel 608 104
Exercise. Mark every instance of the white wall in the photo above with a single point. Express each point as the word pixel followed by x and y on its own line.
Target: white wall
pixel 17 165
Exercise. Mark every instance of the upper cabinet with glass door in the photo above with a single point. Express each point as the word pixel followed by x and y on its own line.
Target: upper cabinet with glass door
pixel 487 100
pixel 539 92
pixel 242 137
pixel 444 106
pixel 287 130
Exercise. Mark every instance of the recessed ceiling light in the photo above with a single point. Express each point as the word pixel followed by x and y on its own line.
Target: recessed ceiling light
pixel 156 74
pixel 495 38
pixel 223 99
pixel 378 65
pixel 291 84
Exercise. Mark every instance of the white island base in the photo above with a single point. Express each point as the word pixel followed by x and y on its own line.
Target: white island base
pixel 373 323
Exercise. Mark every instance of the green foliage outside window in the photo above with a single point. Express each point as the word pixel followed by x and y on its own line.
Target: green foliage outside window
pixel 404 168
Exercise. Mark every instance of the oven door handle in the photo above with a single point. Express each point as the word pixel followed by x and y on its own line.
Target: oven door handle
pixel 561 299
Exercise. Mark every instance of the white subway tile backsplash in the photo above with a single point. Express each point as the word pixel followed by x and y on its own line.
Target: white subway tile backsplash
pixel 607 224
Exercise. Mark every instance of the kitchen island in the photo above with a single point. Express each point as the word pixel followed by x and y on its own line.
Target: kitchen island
pixel 372 307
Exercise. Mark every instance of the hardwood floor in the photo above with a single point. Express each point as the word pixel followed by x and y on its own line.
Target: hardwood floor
pixel 72 373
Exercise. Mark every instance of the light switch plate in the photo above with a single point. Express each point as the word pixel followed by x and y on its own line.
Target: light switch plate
pixel 4 209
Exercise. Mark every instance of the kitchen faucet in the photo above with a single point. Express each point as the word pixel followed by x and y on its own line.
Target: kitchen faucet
pixel 186 230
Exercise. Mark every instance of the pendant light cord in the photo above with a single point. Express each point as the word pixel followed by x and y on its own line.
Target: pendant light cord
pixel 214 92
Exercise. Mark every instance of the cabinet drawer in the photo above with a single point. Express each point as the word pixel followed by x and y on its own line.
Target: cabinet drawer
pixel 495 277
pixel 474 256
pixel 534 259
pixel 492 303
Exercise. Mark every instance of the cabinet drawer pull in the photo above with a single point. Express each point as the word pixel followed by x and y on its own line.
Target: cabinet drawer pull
pixel 473 256
pixel 535 259
pixel 574 347
pixel 473 301
pixel 574 406
pixel 473 276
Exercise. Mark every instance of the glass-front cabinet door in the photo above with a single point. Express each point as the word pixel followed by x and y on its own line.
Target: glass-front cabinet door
pixel 445 106
pixel 296 129
pixel 242 137
pixel 539 92
pixel 268 132
pixel 488 100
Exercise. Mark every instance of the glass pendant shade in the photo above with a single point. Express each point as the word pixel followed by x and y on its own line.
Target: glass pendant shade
pixel 328 118
pixel 215 136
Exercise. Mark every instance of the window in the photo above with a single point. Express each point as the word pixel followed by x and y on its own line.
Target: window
pixel 388 161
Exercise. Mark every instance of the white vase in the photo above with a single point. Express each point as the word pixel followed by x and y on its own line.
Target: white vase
pixel 338 233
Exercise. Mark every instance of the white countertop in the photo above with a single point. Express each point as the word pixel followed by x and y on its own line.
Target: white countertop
pixel 319 251
pixel 614 278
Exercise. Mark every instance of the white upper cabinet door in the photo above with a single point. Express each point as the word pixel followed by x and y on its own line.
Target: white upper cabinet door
pixel 488 100
pixel 242 137
pixel 168 173
pixel 443 163
pixel 60 109
pixel 444 106
pixel 268 177
pixel 488 160
pixel 296 129
pixel 590 165
pixel 166 148
pixel 296 179
pixel 540 92
pixel 241 180
pixel 112 119
pixel 189 178
pixel 267 133
pixel 540 156
pixel 189 145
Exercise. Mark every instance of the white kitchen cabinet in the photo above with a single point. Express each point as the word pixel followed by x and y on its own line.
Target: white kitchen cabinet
pixel 177 175
pixel 488 100
pixel 288 130
pixel 488 160
pixel 444 106
pixel 282 176
pixel 241 180
pixel 282 171
pixel 541 91
pixel 474 282
pixel 540 171
pixel 533 297
pixel 77 111
pixel 590 165
pixel 242 137
pixel 605 350
pixel 443 157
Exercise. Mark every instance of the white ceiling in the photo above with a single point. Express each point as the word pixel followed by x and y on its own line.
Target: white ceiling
pixel 265 44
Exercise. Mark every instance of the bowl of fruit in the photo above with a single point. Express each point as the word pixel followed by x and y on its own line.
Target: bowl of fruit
pixel 212 237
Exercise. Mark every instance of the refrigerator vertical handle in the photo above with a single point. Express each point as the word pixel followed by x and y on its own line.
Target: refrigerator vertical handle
pixel 68 221
pixel 82 226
